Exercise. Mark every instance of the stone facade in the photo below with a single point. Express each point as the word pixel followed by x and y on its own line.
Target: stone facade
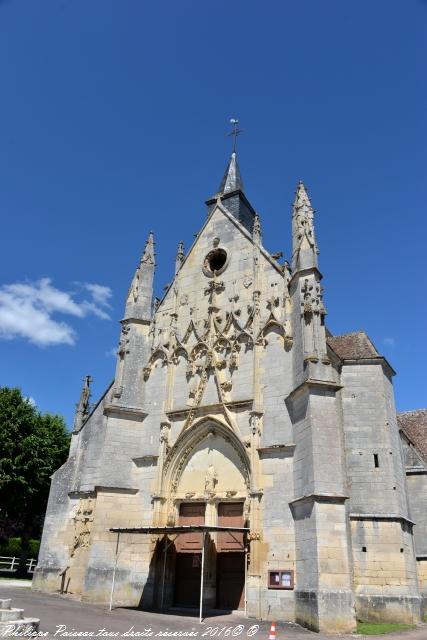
pixel 230 391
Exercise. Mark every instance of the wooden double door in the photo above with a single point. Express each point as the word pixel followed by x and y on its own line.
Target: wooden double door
pixel 227 558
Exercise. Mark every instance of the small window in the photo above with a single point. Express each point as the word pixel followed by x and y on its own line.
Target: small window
pixel 281 579
pixel 364 549
pixel 376 461
pixel 215 262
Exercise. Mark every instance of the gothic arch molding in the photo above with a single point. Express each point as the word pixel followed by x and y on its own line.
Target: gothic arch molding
pixel 187 442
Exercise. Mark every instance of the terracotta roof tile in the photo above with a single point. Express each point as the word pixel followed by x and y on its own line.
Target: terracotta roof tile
pixel 353 346
pixel 414 424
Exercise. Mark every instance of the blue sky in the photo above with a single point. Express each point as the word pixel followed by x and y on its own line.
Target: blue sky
pixel 113 121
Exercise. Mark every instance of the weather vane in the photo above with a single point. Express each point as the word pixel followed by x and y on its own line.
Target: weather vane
pixel 236 132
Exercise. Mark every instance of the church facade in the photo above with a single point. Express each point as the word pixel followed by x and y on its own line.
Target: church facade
pixel 233 406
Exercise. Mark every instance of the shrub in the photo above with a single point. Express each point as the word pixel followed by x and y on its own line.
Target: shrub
pixel 13 548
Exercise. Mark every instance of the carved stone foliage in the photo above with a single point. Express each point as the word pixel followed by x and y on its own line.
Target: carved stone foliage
pixel 303 218
pixel 124 341
pixel 312 299
pixel 83 518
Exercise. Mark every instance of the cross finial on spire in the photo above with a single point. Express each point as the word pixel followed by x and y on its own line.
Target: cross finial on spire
pixel 235 132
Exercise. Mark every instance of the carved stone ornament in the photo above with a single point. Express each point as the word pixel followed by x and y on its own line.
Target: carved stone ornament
pixel 227 385
pixel 83 519
pixel 312 299
pixel 211 480
pixel 124 341
pixel 247 281
pixel 164 433
pixel 254 535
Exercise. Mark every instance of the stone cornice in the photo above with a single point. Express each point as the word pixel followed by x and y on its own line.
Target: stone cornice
pixel 140 461
pixel 319 497
pixel 393 517
pixel 99 488
pixel 145 321
pixel 278 449
pixel 374 360
pixel 312 383
pixel 416 471
pixel 112 489
pixel 234 404
pixel 125 412
pixel 82 494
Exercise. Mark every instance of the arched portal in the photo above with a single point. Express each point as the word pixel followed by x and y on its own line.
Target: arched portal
pixel 206 477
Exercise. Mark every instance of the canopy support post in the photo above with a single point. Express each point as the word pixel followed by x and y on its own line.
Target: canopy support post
pixel 202 572
pixel 114 570
pixel 246 580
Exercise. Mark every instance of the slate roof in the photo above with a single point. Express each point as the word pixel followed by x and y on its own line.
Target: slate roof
pixel 353 346
pixel 232 179
pixel 414 424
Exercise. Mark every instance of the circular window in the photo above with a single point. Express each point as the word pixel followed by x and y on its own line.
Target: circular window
pixel 215 261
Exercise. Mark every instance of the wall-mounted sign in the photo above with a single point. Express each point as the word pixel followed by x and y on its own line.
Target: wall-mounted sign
pixel 281 579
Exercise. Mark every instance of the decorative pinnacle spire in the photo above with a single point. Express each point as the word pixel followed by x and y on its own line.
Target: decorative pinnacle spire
pixel 83 407
pixel 148 257
pixel 256 231
pixel 232 180
pixel 138 303
pixel 180 255
pixel 305 249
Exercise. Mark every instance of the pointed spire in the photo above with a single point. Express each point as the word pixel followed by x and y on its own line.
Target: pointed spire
pixel 138 303
pixel 180 255
pixel 232 180
pixel 305 249
pixel 83 407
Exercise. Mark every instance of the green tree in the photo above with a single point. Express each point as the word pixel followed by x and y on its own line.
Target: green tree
pixel 32 447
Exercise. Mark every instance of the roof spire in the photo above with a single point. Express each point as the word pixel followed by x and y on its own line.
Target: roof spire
pixel 232 180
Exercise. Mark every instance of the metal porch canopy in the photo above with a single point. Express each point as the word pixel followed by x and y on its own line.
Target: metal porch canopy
pixel 177 530
pixel 204 529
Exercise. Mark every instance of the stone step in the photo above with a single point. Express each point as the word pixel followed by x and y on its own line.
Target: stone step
pixel 5 604
pixel 10 614
pixel 23 625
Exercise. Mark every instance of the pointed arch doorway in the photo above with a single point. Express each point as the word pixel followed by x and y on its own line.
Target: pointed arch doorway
pixel 222 560
pixel 208 477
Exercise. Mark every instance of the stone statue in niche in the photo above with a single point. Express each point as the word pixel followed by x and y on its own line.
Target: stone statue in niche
pixel 211 480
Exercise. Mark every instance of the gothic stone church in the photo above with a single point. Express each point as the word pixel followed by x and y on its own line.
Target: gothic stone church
pixel 234 406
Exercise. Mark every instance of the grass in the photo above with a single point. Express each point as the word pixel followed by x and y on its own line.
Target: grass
pixel 379 628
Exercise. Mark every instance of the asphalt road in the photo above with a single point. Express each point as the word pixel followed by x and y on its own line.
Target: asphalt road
pixel 64 618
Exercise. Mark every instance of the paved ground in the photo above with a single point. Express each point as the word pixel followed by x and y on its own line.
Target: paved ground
pixel 63 618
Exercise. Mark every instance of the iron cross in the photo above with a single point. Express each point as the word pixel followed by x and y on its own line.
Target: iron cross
pixel 236 132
